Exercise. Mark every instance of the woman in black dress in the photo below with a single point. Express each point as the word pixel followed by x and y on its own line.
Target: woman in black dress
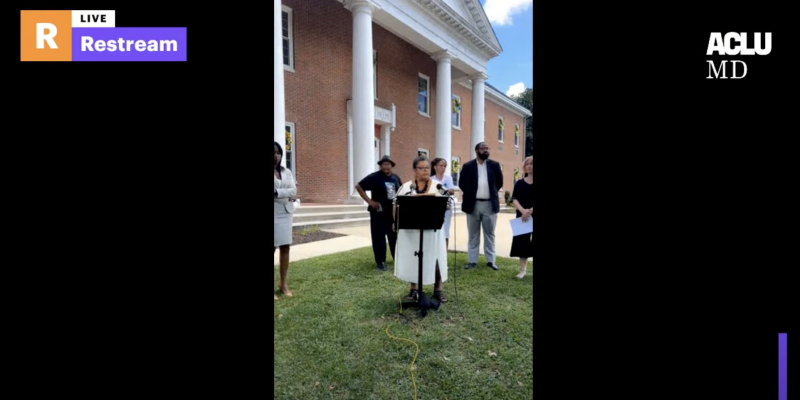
pixel 522 197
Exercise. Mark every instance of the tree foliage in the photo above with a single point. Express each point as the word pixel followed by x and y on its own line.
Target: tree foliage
pixel 525 99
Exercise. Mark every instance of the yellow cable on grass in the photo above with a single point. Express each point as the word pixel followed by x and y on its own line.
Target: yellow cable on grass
pixel 410 368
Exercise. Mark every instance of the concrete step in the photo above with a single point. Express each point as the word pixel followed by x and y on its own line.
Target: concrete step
pixel 336 208
pixel 328 216
pixel 329 211
pixel 331 224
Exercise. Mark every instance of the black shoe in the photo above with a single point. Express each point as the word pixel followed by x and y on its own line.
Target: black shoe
pixel 493 266
pixel 382 266
pixel 470 266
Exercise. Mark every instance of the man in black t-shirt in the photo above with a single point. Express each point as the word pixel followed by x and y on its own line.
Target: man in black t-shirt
pixel 384 186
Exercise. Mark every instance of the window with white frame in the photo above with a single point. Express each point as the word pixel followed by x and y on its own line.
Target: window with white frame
pixel 423 153
pixel 375 73
pixel 288 38
pixel 456 111
pixel 423 97
pixel 500 129
pixel 516 135
pixel 289 152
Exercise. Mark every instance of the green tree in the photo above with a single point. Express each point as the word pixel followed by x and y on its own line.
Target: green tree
pixel 525 99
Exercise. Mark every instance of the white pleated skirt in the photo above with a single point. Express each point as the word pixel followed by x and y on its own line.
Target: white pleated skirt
pixel 406 267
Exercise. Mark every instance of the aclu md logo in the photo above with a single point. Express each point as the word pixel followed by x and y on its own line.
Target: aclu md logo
pixel 724 46
pixel 92 35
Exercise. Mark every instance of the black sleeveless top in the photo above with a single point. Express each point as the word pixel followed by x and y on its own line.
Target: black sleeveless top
pixel 523 193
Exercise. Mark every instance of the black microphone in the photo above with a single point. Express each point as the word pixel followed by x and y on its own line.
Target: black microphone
pixel 443 190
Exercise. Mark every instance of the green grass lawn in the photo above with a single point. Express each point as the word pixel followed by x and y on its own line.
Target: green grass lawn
pixel 331 342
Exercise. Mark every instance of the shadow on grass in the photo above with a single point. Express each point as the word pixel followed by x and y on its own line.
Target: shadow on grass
pixel 330 340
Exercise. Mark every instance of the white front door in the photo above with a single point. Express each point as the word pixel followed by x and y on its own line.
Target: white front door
pixel 377 153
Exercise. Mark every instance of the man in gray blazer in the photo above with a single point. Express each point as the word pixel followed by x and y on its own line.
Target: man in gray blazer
pixel 480 180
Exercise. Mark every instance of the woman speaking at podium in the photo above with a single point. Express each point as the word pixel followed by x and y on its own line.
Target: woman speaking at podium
pixel 406 265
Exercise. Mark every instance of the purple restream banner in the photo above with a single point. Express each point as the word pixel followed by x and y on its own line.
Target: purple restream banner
pixel 128 44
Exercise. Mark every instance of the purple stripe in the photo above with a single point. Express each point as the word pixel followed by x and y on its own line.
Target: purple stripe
pixel 782 361
pixel 129 44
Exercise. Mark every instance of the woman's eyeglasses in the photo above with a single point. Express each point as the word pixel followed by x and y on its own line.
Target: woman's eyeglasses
pixel 424 168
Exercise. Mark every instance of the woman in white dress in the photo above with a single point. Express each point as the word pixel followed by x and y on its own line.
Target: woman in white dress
pixel 439 167
pixel 283 209
pixel 406 265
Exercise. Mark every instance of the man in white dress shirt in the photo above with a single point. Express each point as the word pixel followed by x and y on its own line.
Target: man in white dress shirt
pixel 480 181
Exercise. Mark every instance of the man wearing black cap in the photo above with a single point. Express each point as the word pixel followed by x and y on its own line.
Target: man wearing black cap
pixel 384 185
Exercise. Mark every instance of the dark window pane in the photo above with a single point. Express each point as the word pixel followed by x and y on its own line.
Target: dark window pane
pixel 286 52
pixel 285 24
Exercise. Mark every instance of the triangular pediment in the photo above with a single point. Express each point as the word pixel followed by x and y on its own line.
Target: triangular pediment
pixel 459 7
pixel 472 12
pixel 464 18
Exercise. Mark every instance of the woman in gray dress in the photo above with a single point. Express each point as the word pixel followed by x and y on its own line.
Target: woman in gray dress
pixel 283 208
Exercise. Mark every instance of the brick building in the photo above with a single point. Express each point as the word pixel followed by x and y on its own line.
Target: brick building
pixel 356 80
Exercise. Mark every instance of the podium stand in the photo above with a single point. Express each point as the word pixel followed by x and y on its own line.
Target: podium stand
pixel 421 213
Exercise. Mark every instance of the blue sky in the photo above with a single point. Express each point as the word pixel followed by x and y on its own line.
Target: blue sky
pixel 512 71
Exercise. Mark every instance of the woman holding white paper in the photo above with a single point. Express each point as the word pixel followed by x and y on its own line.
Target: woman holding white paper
pixel 522 198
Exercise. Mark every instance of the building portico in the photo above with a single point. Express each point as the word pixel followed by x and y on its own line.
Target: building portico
pixel 457 40
pixel 439 39
pixel 383 118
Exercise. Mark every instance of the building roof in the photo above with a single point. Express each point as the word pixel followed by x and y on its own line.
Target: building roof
pixel 506 101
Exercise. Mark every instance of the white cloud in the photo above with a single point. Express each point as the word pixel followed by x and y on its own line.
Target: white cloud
pixel 500 11
pixel 515 89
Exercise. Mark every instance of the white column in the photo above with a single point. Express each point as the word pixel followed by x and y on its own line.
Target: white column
pixel 351 181
pixel 478 121
pixel 363 104
pixel 444 83
pixel 279 106
pixel 386 133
